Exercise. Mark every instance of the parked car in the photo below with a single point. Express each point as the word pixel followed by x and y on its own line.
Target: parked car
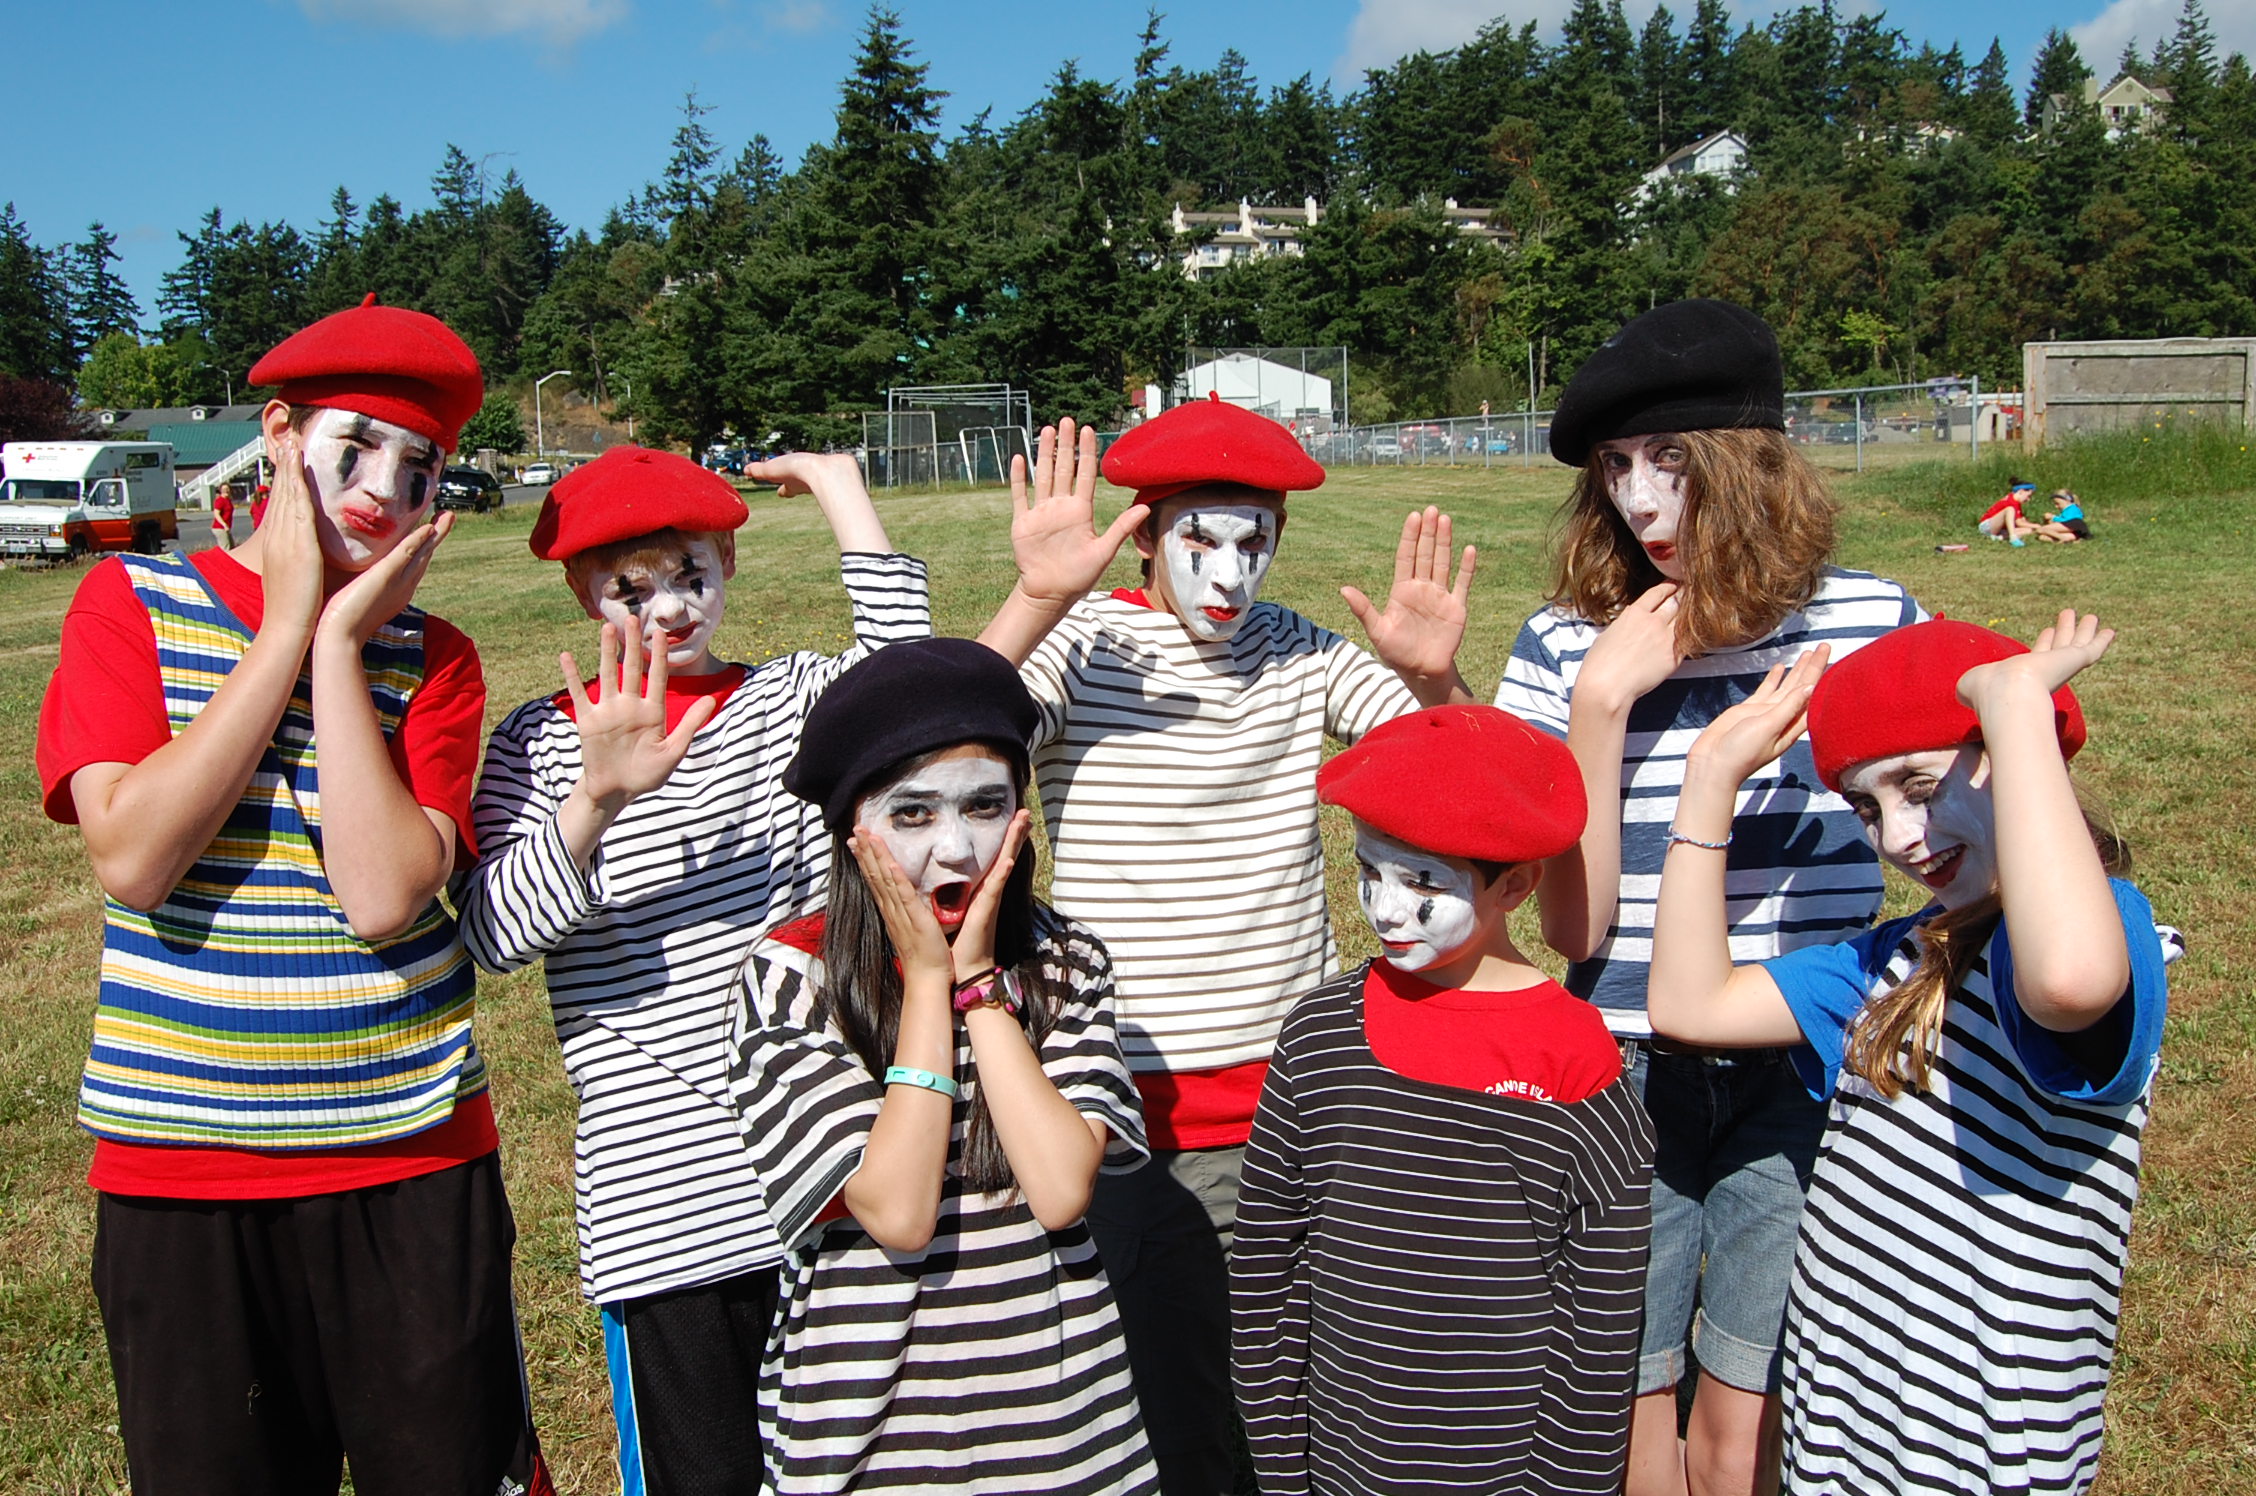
pixel 1386 447
pixel 539 472
pixel 469 488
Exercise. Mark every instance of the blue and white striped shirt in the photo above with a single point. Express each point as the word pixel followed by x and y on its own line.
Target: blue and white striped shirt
pixel 1799 871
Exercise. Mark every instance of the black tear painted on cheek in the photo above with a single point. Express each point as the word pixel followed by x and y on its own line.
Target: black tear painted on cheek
pixel 1425 911
pixel 419 489
pixel 1195 555
pixel 347 460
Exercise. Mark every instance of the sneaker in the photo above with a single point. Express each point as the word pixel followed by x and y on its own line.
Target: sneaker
pixel 2018 542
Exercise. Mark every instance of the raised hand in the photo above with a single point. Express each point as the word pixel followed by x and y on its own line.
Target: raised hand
pixel 1054 536
pixel 1634 653
pixel 625 749
pixel 1424 621
pixel 2072 644
pixel 369 601
pixel 795 473
pixel 975 938
pixel 1757 730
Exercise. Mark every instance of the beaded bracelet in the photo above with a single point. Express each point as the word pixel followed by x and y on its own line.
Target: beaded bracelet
pixel 1675 836
pixel 980 975
pixel 907 1075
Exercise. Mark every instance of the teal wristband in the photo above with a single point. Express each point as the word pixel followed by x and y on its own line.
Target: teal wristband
pixel 905 1075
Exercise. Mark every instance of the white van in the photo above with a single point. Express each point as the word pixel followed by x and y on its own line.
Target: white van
pixel 63 500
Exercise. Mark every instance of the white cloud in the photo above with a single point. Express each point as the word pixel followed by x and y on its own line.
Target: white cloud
pixel 556 22
pixel 758 31
pixel 2101 38
pixel 1384 30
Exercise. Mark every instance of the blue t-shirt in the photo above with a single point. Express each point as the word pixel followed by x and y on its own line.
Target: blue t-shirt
pixel 2069 512
pixel 1827 986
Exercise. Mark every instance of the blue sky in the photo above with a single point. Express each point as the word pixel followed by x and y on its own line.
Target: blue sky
pixel 146 113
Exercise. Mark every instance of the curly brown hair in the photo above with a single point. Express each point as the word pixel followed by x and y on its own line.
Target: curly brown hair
pixel 1758 531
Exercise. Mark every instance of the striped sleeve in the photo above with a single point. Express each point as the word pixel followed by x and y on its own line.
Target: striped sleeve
pixel 1597 1320
pixel 1081 1053
pixel 889 595
pixel 1359 692
pixel 803 1102
pixel 1534 687
pixel 1269 1293
pixel 525 894
pixel 1050 672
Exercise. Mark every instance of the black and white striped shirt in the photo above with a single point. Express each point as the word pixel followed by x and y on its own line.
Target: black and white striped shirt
pixel 643 950
pixel 989 1361
pixel 1956 1287
pixel 1434 1290
pixel 1178 785
pixel 1799 871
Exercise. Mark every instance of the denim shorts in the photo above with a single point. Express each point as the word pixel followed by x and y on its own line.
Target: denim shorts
pixel 1735 1136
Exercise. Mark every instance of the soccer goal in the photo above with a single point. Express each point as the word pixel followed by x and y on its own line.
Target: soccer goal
pixel 942 435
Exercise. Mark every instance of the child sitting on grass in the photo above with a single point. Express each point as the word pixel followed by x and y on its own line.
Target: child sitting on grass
pixel 1957 1282
pixel 1439 1273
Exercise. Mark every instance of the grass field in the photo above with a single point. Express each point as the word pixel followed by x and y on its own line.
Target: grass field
pixel 2173 708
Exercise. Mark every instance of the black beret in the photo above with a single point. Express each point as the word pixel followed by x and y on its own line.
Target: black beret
pixel 1686 366
pixel 902 701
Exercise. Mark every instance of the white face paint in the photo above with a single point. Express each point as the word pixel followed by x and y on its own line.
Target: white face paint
pixel 944 823
pixel 1645 479
pixel 1419 904
pixel 675 606
pixel 1214 558
pixel 373 482
pixel 1926 816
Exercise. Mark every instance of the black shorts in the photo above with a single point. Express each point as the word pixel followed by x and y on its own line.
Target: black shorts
pixel 260 1344
pixel 2077 528
pixel 685 1384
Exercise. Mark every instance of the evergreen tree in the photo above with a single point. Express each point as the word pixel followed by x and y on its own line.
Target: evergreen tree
pixel 1707 65
pixel 334 282
pixel 101 303
pixel 35 314
pixel 1988 115
pixel 1662 85
pixel 2059 70
pixel 184 293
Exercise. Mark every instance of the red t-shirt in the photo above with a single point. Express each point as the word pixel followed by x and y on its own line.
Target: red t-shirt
pixel 1541 1043
pixel 223 510
pixel 2011 501
pixel 682 691
pixel 105 704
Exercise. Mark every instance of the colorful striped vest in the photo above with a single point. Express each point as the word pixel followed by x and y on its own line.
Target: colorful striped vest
pixel 243 1011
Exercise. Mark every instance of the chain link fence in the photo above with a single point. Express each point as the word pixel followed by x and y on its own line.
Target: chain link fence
pixel 1840 428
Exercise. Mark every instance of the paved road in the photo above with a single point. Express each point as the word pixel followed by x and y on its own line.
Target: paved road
pixel 195 528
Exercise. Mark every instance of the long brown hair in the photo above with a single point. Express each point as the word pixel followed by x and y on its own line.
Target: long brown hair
pixel 1757 533
pixel 861 986
pixel 1892 1043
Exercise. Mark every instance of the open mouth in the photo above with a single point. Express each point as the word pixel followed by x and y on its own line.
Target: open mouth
pixel 374 523
pixel 950 903
pixel 1939 870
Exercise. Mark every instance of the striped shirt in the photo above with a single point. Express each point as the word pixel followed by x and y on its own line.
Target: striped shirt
pixel 1178 786
pixel 1799 871
pixel 1957 1284
pixel 1434 1290
pixel 990 1361
pixel 643 949
pixel 242 1011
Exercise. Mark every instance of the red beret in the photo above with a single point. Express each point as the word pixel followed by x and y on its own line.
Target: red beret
pixel 631 491
pixel 1209 441
pixel 1463 781
pixel 382 361
pixel 1899 694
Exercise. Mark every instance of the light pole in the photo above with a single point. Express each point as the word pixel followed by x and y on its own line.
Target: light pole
pixel 540 430
pixel 224 378
pixel 630 396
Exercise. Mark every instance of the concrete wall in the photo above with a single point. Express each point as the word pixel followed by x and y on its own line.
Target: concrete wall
pixel 2106 386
